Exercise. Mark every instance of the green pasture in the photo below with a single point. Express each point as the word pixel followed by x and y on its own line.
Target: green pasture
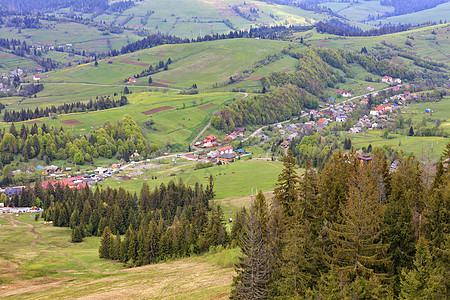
pixel 39 261
pixel 423 147
pixel 426 44
pixel 176 126
pixel 441 111
pixel 81 36
pixel 9 62
pixel 57 94
pixel 203 63
pixel 232 180
pixel 436 14
pixel 197 17
pixel 358 11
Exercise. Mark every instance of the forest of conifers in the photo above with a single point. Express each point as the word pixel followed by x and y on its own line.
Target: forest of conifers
pixel 356 230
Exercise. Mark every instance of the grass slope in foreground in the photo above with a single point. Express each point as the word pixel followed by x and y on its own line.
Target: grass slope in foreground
pixel 38 261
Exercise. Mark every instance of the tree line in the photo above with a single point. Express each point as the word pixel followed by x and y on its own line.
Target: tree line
pixel 119 139
pixel 358 230
pixel 337 27
pixel 92 105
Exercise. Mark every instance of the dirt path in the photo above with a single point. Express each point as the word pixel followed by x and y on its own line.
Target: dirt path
pixel 199 135
pixel 10 220
pixel 30 229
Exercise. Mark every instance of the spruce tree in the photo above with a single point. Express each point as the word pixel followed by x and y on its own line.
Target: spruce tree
pixel 398 229
pixel 105 243
pixel 253 268
pixel 301 255
pixel 77 236
pixel 356 246
pixel 437 213
pixel 333 186
pixel 426 280
pixel 286 193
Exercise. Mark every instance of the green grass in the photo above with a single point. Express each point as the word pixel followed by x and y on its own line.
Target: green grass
pixel 441 111
pixel 434 46
pixel 436 14
pixel 358 11
pixel 176 126
pixel 203 63
pixel 82 37
pixel 232 180
pixel 47 265
pixel 424 148
pixel 197 17
pixel 13 62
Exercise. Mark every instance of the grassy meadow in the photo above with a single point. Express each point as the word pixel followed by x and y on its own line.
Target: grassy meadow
pixel 424 148
pixel 177 126
pixel 358 11
pixel 39 261
pixel 81 36
pixel 200 17
pixel 204 64
pixel 436 14
pixel 232 180
pixel 425 43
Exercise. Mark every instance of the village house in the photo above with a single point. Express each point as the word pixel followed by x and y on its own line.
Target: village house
pixel 370 88
pixel 226 158
pixel 354 130
pixel 52 169
pixel 365 158
pixel 132 79
pixel 292 136
pixel 36 77
pixel 209 138
pixel 341 119
pixel 212 154
pixel 134 155
pixel 240 130
pixel 387 79
pixel 285 144
pixel 225 150
pixel 241 151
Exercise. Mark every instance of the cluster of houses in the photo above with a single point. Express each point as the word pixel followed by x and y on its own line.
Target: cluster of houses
pixel 56 173
pixel 238 132
pixel 19 210
pixel 389 79
pixel 212 141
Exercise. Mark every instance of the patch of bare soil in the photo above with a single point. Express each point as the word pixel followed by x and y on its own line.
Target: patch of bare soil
pixel 155 110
